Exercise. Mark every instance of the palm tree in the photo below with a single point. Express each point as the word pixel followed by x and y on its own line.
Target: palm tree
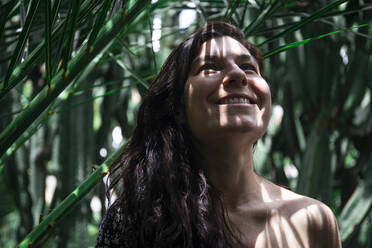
pixel 73 72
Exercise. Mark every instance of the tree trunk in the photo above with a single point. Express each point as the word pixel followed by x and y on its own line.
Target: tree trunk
pixel 76 133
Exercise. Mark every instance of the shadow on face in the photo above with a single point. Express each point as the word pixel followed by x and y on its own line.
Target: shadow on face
pixel 225 94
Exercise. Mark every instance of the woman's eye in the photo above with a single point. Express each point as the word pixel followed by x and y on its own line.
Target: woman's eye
pixel 207 68
pixel 248 67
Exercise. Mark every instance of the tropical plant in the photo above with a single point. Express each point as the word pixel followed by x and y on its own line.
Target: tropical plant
pixel 72 73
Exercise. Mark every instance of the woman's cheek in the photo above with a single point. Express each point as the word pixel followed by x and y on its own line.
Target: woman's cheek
pixel 261 85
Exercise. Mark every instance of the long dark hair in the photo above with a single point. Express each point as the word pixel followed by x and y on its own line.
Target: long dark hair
pixel 163 197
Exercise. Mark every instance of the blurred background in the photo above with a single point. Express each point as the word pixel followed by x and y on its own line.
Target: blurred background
pixel 73 73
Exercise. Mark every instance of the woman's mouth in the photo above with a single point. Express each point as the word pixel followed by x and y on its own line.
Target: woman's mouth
pixel 234 100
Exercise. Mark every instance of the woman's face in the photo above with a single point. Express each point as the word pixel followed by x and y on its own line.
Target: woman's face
pixel 225 93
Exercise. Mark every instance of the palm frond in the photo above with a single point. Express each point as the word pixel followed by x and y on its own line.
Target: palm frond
pixel 61 81
pixel 21 41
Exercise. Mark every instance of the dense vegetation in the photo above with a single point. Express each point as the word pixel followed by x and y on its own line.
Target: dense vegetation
pixel 72 74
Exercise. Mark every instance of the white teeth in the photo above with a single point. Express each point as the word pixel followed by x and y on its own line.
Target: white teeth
pixel 235 100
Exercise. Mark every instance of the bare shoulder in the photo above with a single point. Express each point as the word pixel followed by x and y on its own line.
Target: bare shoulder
pixel 309 217
pixel 320 222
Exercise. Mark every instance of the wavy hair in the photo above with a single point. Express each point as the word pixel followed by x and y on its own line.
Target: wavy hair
pixel 163 197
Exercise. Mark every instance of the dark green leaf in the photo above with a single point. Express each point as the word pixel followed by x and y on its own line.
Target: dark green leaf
pixel 61 81
pixel 259 20
pixel 99 22
pixel 132 72
pixel 22 40
pixel 358 206
pixel 305 21
pixel 5 10
pixel 48 40
pixel 315 169
pixel 69 202
pixel 55 9
pixel 302 42
pixel 75 6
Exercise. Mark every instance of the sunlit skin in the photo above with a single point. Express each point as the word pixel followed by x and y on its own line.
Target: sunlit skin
pixel 224 133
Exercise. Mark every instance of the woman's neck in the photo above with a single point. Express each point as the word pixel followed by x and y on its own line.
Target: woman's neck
pixel 229 167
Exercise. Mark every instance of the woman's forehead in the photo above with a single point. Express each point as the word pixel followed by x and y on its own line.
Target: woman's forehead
pixel 222 46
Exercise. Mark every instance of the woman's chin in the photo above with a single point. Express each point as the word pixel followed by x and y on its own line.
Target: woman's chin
pixel 242 125
pixel 231 132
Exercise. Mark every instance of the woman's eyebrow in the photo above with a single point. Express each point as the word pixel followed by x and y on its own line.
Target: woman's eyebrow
pixel 204 58
pixel 212 58
pixel 247 57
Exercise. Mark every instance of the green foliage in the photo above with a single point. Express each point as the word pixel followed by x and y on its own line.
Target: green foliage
pixel 50 221
pixel 21 40
pixel 72 74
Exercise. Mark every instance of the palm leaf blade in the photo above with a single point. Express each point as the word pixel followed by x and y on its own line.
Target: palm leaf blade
pixel 48 42
pixel 302 42
pixel 22 40
pixel 75 6
pixel 99 22
pixel 60 82
pixel 72 199
pixel 307 20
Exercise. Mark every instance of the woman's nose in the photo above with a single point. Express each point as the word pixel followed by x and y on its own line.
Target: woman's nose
pixel 235 75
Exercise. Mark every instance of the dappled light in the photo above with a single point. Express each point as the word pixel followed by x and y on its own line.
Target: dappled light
pixel 73 75
pixel 283 220
pixel 226 79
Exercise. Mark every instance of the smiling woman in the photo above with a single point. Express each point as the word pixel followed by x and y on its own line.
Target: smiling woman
pixel 186 178
pixel 225 93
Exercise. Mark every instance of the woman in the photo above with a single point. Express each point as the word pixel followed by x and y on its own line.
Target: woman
pixel 186 178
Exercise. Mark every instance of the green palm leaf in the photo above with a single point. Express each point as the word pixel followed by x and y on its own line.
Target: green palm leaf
pixel 61 81
pixel 75 6
pixel 21 41
pixel 99 22
pixel 305 21
pixel 51 220
pixel 5 11
pixel 37 55
pixel 302 42
pixel 48 40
